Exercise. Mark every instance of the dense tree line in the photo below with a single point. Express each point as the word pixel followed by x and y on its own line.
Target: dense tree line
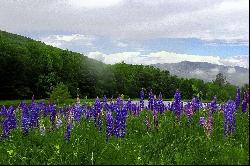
pixel 30 67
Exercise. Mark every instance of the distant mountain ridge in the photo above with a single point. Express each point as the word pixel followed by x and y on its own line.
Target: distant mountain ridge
pixel 206 71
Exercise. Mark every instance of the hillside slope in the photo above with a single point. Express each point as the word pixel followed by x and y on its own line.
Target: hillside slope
pixel 31 67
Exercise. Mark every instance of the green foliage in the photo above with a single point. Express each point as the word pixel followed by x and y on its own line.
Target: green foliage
pixel 220 79
pixel 59 93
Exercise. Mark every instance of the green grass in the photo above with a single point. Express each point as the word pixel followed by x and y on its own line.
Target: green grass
pixel 174 143
pixel 17 102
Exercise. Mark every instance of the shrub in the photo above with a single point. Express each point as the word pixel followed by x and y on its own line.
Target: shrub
pixel 59 93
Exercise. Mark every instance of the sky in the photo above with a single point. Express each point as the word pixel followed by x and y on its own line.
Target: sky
pixel 137 31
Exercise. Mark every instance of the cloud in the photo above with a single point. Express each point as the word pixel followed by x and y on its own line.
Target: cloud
pixel 97 56
pixel 208 20
pixel 164 57
pixel 121 44
pixel 63 41
pixel 198 72
pixel 231 70
pixel 240 60
pixel 90 4
pixel 215 70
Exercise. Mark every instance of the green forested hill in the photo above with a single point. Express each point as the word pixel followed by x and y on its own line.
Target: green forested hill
pixel 30 67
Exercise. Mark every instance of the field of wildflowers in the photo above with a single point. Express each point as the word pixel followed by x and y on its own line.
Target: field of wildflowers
pixel 125 132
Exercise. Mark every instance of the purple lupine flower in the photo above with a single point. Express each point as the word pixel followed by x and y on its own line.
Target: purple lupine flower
pixel 160 104
pixel 118 122
pixel 84 111
pixel 237 99
pixel 33 115
pixel 129 105
pixel 105 100
pixel 229 117
pixel 244 106
pixel 202 121
pixel 11 117
pixel 42 107
pixel 98 115
pixel 3 111
pixel 142 99
pixel 213 104
pixel 109 125
pixel 188 109
pixel 133 109
pixel 67 133
pixel 112 107
pixel 6 128
pixel 97 105
pixel 123 121
pixel 99 121
pixel 65 110
pixel 52 109
pixel 155 104
pixel 9 122
pixel 247 96
pixel 195 103
pixel 105 103
pixel 25 118
pixel 77 112
pixel 150 100
pixel 47 110
pixel 177 104
pixel 245 101
pixel 119 102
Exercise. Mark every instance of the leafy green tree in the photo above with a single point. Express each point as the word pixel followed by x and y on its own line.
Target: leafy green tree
pixel 59 93
pixel 220 79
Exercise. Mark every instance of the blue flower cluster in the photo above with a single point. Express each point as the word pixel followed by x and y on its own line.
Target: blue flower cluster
pixel 176 105
pixel 9 122
pixel 115 113
pixel 213 105
pixel 196 104
pixel 237 99
pixel 120 122
pixel 229 117
pixel 189 110
pixel 245 102
pixel 142 99
pixel 160 104
pixel 150 100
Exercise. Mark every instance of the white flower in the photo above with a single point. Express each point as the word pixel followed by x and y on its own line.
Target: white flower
pixel 58 123
pixel 42 130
